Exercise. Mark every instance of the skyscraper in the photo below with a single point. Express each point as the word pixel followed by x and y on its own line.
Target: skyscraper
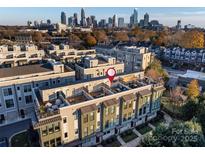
pixel 48 21
pixel 94 21
pixel 134 19
pixel 146 20
pixel 178 26
pixel 109 22
pixel 82 21
pixel 63 18
pixel 114 21
pixel 75 20
pixel 70 21
pixel 89 21
pixel 121 22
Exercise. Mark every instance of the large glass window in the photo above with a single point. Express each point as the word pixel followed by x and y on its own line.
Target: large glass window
pixel 7 92
pixel 9 103
pixel 92 116
pixel 27 88
pixel 85 118
pixel 29 99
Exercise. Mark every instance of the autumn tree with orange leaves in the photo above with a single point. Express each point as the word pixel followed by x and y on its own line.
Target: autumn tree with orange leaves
pixel 193 89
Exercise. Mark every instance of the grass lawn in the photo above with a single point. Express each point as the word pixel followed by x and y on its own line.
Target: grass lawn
pixel 143 129
pixel 20 140
pixel 128 136
pixel 111 142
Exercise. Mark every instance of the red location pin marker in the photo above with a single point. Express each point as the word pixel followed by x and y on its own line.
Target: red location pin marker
pixel 111 74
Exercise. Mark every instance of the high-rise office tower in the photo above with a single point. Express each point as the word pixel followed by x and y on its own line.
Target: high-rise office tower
pixel 146 20
pixel 71 21
pixel 48 21
pixel 75 20
pixel 178 26
pixel 134 19
pixel 121 22
pixel 63 18
pixel 114 21
pixel 89 21
pixel 82 21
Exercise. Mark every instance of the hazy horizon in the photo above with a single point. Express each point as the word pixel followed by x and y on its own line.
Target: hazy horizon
pixel 168 16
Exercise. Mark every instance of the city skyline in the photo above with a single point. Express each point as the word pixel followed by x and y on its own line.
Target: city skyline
pixel 166 16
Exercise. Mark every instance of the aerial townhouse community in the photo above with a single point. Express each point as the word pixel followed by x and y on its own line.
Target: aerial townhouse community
pixel 17 55
pixel 78 105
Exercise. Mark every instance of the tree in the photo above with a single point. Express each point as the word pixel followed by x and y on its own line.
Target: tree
pixel 182 134
pixel 193 39
pixel 101 36
pixel 37 36
pixel 155 70
pixel 152 73
pixel 90 41
pixel 189 110
pixel 193 89
pixel 121 36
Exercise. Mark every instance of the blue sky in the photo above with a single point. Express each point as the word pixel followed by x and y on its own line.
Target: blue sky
pixel 167 16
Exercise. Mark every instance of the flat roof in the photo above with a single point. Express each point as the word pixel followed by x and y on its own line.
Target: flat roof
pixel 25 70
pixel 99 93
pixel 194 74
pixel 77 99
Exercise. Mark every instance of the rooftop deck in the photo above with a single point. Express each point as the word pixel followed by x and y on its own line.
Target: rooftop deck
pixel 100 93
pixel 77 99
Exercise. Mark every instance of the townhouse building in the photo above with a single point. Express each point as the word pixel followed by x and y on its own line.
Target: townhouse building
pixel 64 53
pixel 18 55
pixel 182 55
pixel 16 83
pixel 134 58
pixel 85 114
pixel 92 67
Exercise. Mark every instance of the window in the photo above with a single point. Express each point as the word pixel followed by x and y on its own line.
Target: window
pixel 125 105
pixel 85 119
pixel 58 141
pixel 44 132
pixel 98 123
pixel 92 128
pixel 9 103
pixel 129 115
pixel 112 109
pixel 66 135
pixel 27 88
pixel 92 116
pixel 85 131
pixel 140 111
pixel 106 111
pixel 57 127
pixel 130 104
pixel 75 116
pixel 144 110
pixel 51 129
pixel 29 99
pixel 7 92
pixel 52 142
pixel 46 144
pixel 64 120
